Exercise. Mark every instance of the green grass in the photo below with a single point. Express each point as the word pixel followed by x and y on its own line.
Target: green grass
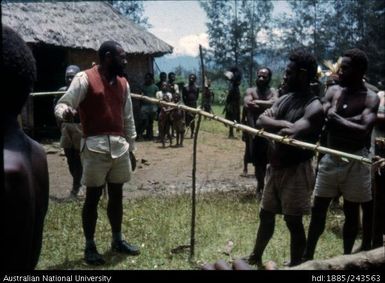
pixel 212 126
pixel 160 224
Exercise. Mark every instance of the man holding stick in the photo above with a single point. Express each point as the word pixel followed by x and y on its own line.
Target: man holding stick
pixel 351 113
pixel 290 176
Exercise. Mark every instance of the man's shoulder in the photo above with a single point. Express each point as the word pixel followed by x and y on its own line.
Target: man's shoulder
pixel 251 90
pixel 372 98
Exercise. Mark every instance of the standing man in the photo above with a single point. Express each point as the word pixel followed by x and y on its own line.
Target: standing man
pixel 290 176
pixel 147 109
pixel 162 78
pixel 257 145
pixel 233 100
pixel 378 142
pixel 103 98
pixel 351 113
pixel 25 191
pixel 71 135
pixel 190 94
pixel 207 97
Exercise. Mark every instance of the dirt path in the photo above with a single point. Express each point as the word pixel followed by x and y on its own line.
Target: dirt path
pixel 169 170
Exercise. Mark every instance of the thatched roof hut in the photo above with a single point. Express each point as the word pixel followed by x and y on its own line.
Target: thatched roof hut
pixel 65 33
pixel 83 25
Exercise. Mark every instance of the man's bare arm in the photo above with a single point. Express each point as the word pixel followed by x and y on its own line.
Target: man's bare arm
pixel 311 122
pixel 268 122
pixel 361 128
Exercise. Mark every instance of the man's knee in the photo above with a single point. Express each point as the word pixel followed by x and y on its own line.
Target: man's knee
pixel 266 216
pixel 293 221
pixel 94 193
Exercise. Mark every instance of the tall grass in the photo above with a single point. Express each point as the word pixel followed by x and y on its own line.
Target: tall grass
pixel 160 224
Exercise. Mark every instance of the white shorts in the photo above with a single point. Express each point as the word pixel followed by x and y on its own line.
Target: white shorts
pixel 99 168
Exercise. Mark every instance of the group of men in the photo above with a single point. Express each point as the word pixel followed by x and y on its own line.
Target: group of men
pixel 346 114
pixel 100 99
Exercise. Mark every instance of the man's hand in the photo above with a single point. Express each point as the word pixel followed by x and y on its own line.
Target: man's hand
pixel 252 104
pixel 286 132
pixel 69 114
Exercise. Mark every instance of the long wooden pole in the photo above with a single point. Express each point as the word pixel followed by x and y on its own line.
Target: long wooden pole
pixel 193 201
pixel 261 132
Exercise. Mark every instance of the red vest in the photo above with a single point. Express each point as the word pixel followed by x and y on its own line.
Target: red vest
pixel 101 112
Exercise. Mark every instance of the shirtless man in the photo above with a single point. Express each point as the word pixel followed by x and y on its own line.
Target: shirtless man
pixel 257 146
pixel 24 200
pixel 190 95
pixel 351 112
pixel 290 176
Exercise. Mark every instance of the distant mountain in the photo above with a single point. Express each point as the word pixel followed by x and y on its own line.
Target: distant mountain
pixel 169 63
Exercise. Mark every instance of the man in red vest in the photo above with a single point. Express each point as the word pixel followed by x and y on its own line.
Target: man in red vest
pixel 102 97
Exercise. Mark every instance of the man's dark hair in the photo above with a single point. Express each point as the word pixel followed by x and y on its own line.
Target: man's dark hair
pixel 359 59
pixel 192 75
pixel 108 46
pixel 149 75
pixel 163 74
pixel 171 74
pixel 18 70
pixel 268 69
pixel 305 60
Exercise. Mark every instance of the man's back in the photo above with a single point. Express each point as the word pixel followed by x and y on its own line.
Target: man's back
pixel 26 200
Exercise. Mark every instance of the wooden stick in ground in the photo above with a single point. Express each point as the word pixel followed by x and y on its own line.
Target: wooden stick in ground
pixel 261 132
pixel 192 238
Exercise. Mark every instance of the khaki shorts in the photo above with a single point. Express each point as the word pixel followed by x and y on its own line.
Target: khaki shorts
pixel 350 178
pixel 288 190
pixel 99 168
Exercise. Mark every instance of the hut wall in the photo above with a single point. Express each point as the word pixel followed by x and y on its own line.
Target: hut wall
pixel 82 57
pixel 137 67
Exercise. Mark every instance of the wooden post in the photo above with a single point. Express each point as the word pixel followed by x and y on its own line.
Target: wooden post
pixel 193 201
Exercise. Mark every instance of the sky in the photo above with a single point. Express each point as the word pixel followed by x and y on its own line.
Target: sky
pixel 182 24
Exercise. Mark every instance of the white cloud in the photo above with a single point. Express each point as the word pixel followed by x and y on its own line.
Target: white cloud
pixel 189 44
pixel 263 36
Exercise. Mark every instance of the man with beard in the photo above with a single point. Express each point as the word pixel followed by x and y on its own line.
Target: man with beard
pixel 256 147
pixel 290 176
pixel 103 99
pixel 351 113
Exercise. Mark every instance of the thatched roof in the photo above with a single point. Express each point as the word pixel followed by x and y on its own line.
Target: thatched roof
pixel 84 25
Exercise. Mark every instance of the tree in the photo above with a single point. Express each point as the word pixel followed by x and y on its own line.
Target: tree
pixel 331 27
pixel 133 10
pixel 232 30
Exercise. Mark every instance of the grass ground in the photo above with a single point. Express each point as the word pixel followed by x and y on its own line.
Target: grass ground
pixel 160 224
